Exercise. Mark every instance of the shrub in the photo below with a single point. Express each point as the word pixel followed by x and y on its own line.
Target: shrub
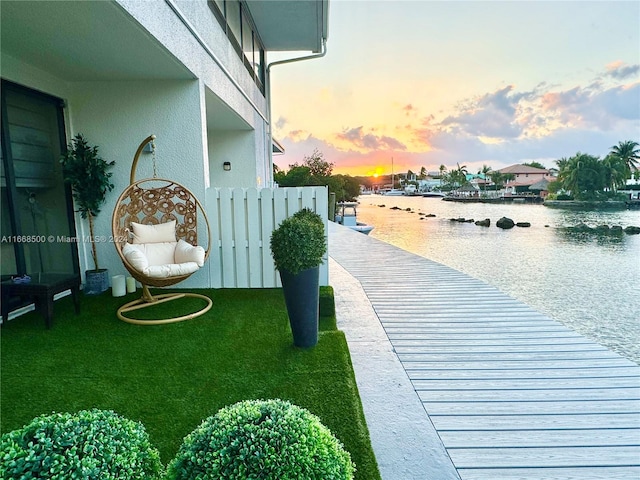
pixel 90 444
pixel 309 215
pixel 298 243
pixel 261 439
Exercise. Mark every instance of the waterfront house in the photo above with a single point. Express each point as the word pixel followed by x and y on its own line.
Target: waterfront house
pixel 194 73
pixel 524 176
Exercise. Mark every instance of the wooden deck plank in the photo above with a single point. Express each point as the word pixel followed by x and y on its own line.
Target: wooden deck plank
pixel 505 356
pixel 551 422
pixel 571 473
pixel 510 366
pixel 557 456
pixel 417 346
pixel 540 438
pixel 513 393
pixel 563 407
pixel 516 384
pixel 519 395
pixel 539 373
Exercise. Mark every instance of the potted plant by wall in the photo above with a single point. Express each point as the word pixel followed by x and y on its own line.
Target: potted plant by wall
pixel 86 172
pixel 297 247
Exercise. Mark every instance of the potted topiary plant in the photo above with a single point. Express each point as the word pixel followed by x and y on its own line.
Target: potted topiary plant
pixel 297 247
pixel 86 172
pixel 261 439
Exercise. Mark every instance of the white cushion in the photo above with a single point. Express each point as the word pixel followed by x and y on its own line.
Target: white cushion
pixel 171 270
pixel 136 257
pixel 185 252
pixel 160 233
pixel 160 260
pixel 159 253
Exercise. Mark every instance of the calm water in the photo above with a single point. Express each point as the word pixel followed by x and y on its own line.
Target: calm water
pixel 590 283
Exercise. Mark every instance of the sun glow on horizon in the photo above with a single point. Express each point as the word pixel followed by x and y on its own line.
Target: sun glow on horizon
pixel 376 172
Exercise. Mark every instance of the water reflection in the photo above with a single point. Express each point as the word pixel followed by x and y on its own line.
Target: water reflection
pixel 587 281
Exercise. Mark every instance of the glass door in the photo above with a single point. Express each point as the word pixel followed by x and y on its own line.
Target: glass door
pixel 37 226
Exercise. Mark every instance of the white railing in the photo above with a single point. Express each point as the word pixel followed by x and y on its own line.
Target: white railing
pixel 242 220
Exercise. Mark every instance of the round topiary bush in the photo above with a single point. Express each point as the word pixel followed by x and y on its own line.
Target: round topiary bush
pixel 309 215
pixel 89 445
pixel 261 439
pixel 299 242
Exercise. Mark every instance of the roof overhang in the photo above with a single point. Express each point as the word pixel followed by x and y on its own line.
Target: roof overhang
pixel 291 25
pixel 276 147
pixel 84 41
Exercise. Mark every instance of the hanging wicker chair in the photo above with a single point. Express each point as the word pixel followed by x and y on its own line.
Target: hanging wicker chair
pixel 158 202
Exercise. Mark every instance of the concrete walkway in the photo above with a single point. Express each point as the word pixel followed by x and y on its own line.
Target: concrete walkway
pixel 460 381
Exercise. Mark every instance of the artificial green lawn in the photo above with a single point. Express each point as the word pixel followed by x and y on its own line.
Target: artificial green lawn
pixel 171 377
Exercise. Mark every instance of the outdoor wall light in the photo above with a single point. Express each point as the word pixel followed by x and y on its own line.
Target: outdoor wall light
pixel 226 166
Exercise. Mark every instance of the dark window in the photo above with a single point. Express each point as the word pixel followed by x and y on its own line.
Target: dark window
pixel 235 20
pixel 37 210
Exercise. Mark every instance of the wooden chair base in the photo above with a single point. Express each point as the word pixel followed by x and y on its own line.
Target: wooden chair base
pixel 148 300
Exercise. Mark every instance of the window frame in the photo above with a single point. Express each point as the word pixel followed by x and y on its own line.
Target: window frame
pixel 255 69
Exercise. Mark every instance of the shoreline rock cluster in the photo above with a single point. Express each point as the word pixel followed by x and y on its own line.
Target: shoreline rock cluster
pixel 507 223
pixel 604 229
pixel 504 222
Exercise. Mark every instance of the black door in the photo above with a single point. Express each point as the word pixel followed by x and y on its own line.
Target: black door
pixel 37 225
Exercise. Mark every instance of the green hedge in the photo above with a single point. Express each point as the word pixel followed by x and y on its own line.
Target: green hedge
pixel 89 445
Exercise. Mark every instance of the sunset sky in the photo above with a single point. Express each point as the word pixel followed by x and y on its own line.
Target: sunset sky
pixel 431 83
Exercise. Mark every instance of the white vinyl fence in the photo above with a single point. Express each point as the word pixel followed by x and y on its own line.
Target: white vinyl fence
pixel 242 220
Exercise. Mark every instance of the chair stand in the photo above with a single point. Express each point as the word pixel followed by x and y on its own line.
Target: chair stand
pixel 148 300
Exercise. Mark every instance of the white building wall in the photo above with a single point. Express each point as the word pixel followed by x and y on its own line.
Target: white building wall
pixel 238 148
pixel 215 62
pixel 117 116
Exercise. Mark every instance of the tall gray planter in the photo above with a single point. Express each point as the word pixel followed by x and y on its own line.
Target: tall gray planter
pixel 302 297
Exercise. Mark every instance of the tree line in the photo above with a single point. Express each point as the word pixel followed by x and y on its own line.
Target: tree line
pixel 583 176
pixel 315 171
pixel 588 177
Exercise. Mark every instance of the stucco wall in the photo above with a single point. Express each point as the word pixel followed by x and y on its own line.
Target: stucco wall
pixel 117 116
pixel 166 25
pixel 245 149
pixel 238 148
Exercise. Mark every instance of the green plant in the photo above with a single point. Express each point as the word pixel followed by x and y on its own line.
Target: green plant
pixel 308 215
pixel 262 439
pixel 89 444
pixel 86 172
pixel 299 242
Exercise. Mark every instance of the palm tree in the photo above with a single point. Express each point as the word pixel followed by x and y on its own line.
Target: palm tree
pixel 442 170
pixel 629 153
pixel 497 178
pixel 485 171
pixel 562 163
pixel 458 177
pixel 614 171
pixel 583 175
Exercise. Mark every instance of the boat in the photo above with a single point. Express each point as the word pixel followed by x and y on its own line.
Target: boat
pixel 347 217
pixel 395 192
pixel 434 194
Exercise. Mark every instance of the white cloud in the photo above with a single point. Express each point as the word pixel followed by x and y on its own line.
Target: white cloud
pixel 620 70
pixel 368 141
pixel 498 128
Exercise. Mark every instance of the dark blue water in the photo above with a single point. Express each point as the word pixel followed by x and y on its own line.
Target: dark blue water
pixel 589 282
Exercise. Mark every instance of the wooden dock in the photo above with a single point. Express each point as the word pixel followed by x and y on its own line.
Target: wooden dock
pixel 512 393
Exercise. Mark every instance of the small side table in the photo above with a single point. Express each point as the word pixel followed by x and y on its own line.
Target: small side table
pixel 42 288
